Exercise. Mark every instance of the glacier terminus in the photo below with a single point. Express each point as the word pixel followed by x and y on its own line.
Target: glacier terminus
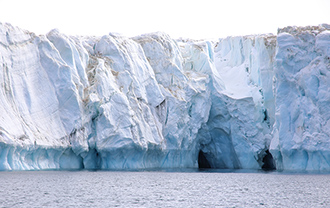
pixel 119 103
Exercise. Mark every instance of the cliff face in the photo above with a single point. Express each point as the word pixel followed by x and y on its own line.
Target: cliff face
pixel 302 100
pixel 150 101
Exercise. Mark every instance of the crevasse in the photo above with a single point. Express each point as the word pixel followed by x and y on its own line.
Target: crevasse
pixel 114 102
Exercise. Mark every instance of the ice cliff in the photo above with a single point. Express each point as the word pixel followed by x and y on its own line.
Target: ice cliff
pixel 114 102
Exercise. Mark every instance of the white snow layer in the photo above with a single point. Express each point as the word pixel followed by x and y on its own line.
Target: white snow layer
pixel 150 101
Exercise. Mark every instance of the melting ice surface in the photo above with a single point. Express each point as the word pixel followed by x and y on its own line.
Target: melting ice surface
pixel 114 102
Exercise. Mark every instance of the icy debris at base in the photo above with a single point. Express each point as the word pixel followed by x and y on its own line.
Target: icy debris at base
pixel 113 102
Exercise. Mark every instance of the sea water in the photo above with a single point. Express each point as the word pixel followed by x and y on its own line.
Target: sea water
pixel 163 189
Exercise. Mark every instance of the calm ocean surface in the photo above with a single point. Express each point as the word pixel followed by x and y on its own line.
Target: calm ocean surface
pixel 162 189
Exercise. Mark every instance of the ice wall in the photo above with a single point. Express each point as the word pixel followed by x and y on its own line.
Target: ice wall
pixel 302 99
pixel 114 102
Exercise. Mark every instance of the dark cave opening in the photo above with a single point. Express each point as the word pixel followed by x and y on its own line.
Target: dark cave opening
pixel 269 163
pixel 202 161
pixel 265 115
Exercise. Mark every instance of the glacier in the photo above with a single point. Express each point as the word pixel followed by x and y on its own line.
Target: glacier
pixel 119 103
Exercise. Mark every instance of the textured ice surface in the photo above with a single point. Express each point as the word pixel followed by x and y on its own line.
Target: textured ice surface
pixel 114 102
pixel 301 139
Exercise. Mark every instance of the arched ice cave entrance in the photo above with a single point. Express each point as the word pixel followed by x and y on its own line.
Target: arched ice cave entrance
pixel 202 161
pixel 268 162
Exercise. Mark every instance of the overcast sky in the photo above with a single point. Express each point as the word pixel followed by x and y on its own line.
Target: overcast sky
pixel 178 18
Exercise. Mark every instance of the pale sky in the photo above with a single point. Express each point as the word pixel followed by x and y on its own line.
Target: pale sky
pixel 178 18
